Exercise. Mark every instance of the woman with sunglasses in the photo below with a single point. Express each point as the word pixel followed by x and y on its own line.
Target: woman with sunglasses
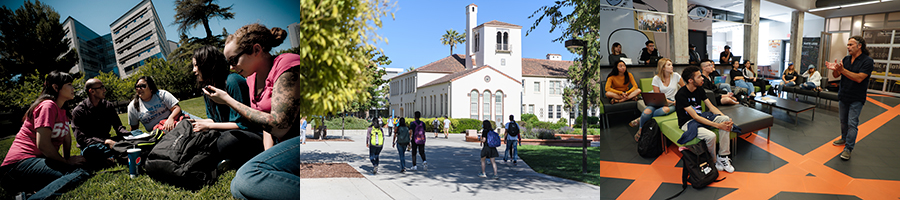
pixel 274 97
pixel 240 140
pixel 151 106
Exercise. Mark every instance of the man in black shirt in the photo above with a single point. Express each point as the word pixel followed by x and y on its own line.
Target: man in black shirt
pixel 687 105
pixel 856 69
pixel 92 119
pixel 695 57
pixel 649 54
pixel 725 56
pixel 723 95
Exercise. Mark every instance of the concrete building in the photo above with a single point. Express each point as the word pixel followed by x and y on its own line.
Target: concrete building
pixel 489 82
pixel 294 34
pixel 138 35
pixel 95 53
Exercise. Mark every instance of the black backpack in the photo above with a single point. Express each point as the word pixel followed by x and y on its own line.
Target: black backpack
pixel 649 144
pixel 185 158
pixel 699 168
pixel 513 129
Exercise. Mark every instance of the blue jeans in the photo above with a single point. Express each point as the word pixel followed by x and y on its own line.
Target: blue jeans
pixel 744 84
pixel 786 84
pixel 41 174
pixel 654 112
pixel 808 86
pixel 512 150
pixel 273 174
pixel 725 86
pixel 374 152
pixel 402 149
pixel 849 115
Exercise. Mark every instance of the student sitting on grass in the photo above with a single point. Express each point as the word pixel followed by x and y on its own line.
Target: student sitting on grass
pixel 240 140
pixel 33 162
pixel 152 107
pixel 91 122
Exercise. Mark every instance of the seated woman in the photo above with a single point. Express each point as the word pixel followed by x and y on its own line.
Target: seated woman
pixel 240 140
pixel 751 76
pixel 151 106
pixel 33 161
pixel 620 84
pixel 723 97
pixel 616 54
pixel 667 82
pixel 737 78
pixel 813 79
pixel 789 78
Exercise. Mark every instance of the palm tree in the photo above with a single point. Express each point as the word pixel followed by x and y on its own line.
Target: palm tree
pixel 452 38
pixel 190 13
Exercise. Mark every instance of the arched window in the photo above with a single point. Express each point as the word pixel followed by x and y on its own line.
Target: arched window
pixel 486 112
pixel 476 43
pixel 498 106
pixel 473 104
pixel 499 40
pixel 505 40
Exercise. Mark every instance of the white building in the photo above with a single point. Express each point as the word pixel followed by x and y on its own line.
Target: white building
pixel 138 35
pixel 294 34
pixel 493 82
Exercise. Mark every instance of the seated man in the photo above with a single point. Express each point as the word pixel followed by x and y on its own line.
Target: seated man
pixel 92 119
pixel 724 97
pixel 687 105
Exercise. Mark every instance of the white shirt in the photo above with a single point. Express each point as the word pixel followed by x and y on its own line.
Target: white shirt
pixel 446 123
pixel 816 78
pixel 671 89
pixel 151 112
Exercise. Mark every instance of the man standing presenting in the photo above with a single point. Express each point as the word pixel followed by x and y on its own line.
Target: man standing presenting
pixel 856 69
pixel 725 56
pixel 649 54
pixel 446 127
pixel 92 119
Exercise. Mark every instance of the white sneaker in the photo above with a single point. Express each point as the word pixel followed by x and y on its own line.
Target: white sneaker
pixel 424 166
pixel 415 169
pixel 725 163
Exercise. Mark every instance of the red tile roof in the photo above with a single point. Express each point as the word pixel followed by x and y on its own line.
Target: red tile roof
pixel 450 64
pixel 496 23
pixel 545 68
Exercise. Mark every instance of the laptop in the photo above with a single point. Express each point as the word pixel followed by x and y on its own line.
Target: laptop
pixel 654 99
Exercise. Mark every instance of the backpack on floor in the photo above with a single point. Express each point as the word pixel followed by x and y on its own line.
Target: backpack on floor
pixel 699 168
pixel 419 132
pixel 185 158
pixel 649 144
pixel 513 129
pixel 493 139
pixel 146 144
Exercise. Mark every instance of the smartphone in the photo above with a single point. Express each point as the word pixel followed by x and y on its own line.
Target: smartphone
pixel 209 90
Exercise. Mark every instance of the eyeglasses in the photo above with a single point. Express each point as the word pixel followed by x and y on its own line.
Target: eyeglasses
pixel 233 60
pixel 101 87
pixel 140 86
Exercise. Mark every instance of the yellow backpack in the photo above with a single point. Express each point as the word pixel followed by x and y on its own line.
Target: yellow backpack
pixel 377 137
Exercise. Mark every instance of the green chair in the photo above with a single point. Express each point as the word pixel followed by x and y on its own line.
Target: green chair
pixel 646 85
pixel 668 126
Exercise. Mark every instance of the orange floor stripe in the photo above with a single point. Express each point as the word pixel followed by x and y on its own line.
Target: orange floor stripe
pixel 878 103
pixel 791 177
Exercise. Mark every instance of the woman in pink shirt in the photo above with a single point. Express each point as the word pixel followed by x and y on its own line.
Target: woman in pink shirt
pixel 33 162
pixel 274 93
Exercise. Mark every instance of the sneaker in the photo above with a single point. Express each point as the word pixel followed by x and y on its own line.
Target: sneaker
pixel 634 123
pixel 445 137
pixel 845 155
pixel 375 170
pixel 725 163
pixel 413 168
pixel 495 177
pixel 514 163
pixel 403 170
pixel 482 175
pixel 424 166
pixel 839 142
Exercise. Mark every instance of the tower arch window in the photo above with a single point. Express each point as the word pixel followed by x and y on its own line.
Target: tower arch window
pixel 473 104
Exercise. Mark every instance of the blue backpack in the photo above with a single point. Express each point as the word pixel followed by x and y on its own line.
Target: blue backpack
pixel 493 139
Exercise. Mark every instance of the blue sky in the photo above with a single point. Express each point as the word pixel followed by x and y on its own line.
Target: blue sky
pixel 98 14
pixel 414 36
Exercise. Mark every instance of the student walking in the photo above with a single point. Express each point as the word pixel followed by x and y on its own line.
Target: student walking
pixel 512 140
pixel 487 151
pixel 446 127
pixel 436 125
pixel 303 125
pixel 390 126
pixel 375 142
pixel 418 130
pixel 401 142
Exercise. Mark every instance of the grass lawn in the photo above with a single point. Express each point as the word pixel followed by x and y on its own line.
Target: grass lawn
pixel 563 162
pixel 114 183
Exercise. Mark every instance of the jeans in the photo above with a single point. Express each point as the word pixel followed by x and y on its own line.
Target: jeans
pixel 849 115
pixel 303 136
pixel 402 149
pixel 654 112
pixel 41 174
pixel 273 174
pixel 808 86
pixel 512 150
pixel 725 86
pixel 744 84
pixel 374 152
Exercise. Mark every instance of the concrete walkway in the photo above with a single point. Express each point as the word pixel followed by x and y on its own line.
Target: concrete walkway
pixel 453 168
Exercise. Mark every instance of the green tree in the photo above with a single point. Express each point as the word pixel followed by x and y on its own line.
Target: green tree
pixel 190 13
pixel 340 37
pixel 32 38
pixel 174 76
pixel 580 23
pixel 452 38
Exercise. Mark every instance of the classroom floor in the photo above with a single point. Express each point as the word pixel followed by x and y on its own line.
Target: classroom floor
pixel 798 163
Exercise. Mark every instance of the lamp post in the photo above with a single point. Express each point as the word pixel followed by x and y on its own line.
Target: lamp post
pixel 574 43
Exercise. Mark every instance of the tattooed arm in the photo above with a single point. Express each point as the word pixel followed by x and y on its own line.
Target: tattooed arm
pixel 285 104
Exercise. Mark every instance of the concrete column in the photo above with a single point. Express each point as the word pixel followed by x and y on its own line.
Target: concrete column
pixel 796 39
pixel 751 32
pixel 678 31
